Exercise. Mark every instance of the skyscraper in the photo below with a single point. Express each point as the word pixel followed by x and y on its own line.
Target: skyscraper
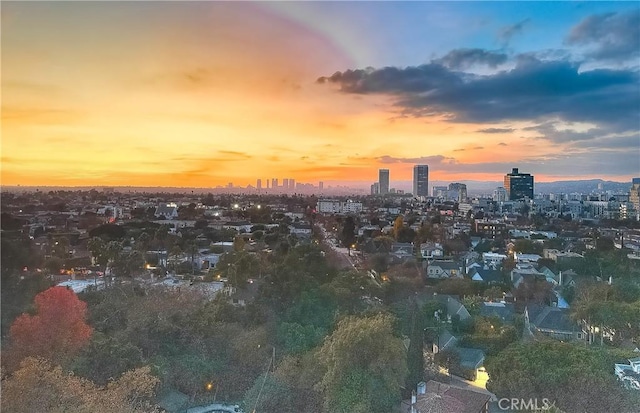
pixel 383 181
pixel 457 191
pixel 634 195
pixel 518 186
pixel 500 194
pixel 259 184
pixel 421 180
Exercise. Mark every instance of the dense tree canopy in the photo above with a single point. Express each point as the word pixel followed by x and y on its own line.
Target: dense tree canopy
pixel 39 386
pixel 578 379
pixel 365 366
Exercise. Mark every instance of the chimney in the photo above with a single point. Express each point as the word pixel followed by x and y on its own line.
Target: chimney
pixel 413 401
pixel 560 281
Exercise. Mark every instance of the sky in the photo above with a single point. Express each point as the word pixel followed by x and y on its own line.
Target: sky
pixel 199 94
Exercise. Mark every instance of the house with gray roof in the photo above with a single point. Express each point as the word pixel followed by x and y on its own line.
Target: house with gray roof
pixel 444 269
pixel 486 275
pixel 502 310
pixel 553 322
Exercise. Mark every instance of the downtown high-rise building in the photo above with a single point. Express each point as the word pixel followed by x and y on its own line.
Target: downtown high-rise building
pixel 519 186
pixel 383 181
pixel 420 180
pixel 634 196
pixel 259 184
pixel 457 191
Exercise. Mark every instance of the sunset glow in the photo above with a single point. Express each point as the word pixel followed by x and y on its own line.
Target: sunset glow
pixel 203 94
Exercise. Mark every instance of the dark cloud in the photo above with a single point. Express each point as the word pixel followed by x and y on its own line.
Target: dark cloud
pixel 506 33
pixel 610 36
pixel 465 58
pixel 502 144
pixel 533 90
pixel 496 130
pixel 573 162
pixel 550 131
pixel 413 79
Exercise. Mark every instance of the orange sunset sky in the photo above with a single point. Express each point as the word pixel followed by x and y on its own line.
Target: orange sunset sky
pixel 202 94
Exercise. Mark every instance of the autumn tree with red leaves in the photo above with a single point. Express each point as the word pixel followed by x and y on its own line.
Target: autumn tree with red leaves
pixel 56 331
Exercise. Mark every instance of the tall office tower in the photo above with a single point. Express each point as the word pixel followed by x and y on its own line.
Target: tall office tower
pixel 285 183
pixel 259 184
pixel 634 196
pixel 267 183
pixel 292 183
pixel 458 191
pixel 320 185
pixel 439 191
pixel 274 183
pixel 518 186
pixel 383 181
pixel 375 188
pixel 499 194
pixel 421 180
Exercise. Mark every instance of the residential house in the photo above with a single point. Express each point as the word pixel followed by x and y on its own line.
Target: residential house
pixel 446 398
pixel 493 259
pixel 444 269
pixel 525 258
pixel 502 310
pixel 300 229
pixel 431 250
pixel 524 273
pixel 167 211
pixel 402 251
pixel 240 226
pixel 471 360
pixel 553 322
pixel 486 275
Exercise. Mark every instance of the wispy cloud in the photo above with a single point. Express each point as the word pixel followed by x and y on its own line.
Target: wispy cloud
pixel 506 33
pixel 609 36
pixel 496 130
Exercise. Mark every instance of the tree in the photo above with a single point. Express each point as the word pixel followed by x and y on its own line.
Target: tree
pixel 39 386
pixel 576 378
pixel 56 332
pixel 398 224
pixel 348 234
pixel 365 366
pixel 269 395
pixel 97 248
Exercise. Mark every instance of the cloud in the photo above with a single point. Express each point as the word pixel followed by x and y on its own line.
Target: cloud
pixel 496 130
pixel 238 155
pixel 572 162
pixel 506 33
pixel 502 144
pixel 533 90
pixel 465 58
pixel 609 36
pixel 430 160
pixel 413 79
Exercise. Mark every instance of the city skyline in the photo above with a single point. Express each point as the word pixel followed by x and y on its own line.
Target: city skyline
pixel 203 94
